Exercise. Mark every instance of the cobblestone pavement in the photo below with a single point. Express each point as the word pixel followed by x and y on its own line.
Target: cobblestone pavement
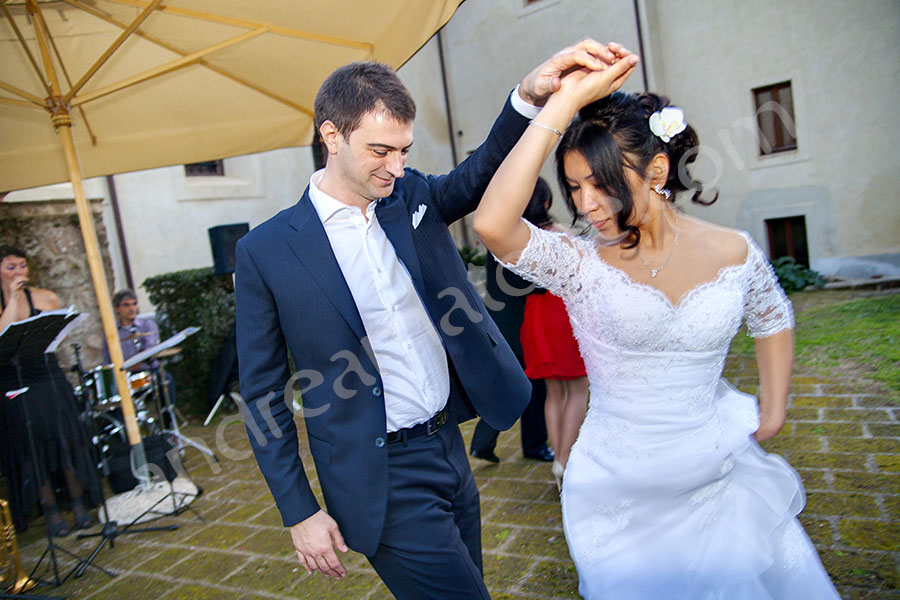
pixel 844 444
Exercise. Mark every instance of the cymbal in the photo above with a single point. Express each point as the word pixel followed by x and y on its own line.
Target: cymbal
pixel 169 352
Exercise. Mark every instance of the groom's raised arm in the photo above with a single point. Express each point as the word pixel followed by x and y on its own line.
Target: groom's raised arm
pixel 459 192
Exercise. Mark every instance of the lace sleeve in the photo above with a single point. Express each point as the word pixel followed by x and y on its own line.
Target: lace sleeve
pixel 550 259
pixel 767 309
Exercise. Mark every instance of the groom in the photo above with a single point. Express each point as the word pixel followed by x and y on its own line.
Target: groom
pixel 362 284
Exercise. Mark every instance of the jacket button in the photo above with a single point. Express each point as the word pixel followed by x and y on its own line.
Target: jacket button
pixel 376 391
pixel 379 442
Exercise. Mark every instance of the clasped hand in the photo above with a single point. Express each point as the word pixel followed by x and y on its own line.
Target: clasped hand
pixel 588 67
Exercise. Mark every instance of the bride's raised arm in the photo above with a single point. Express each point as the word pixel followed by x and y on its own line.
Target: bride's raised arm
pixel 497 220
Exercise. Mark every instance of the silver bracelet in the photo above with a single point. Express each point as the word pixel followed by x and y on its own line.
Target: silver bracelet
pixel 547 127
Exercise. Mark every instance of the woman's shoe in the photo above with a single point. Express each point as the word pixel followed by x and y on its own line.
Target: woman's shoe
pixel 83 519
pixel 558 470
pixel 56 525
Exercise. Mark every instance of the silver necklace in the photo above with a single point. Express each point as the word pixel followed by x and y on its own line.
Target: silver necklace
pixel 655 272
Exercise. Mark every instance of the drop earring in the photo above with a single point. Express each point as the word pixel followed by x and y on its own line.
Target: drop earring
pixel 659 189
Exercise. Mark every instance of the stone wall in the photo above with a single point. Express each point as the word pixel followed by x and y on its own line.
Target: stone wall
pixel 48 232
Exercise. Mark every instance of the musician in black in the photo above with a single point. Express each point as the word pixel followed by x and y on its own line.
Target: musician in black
pixel 64 470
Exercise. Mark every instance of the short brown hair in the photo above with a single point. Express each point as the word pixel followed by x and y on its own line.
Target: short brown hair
pixel 121 296
pixel 353 90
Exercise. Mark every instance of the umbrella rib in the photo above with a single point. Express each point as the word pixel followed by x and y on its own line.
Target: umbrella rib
pixel 65 72
pixel 25 47
pixel 32 99
pixel 163 69
pixel 15 102
pixel 113 47
pixel 275 29
pixel 171 48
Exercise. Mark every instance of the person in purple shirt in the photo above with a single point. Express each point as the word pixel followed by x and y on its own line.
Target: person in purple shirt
pixel 136 334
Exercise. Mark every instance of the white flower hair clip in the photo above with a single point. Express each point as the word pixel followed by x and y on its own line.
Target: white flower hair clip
pixel 667 123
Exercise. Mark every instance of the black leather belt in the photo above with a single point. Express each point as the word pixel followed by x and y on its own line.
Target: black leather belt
pixel 429 427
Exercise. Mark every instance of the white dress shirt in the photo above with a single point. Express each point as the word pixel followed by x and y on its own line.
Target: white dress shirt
pixel 411 358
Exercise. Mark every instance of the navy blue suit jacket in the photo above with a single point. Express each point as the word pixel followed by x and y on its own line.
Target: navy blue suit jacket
pixel 291 297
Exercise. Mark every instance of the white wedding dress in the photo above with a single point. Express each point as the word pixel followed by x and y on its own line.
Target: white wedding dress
pixel 666 494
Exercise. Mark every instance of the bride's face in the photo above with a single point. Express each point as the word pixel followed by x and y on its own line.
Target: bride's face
pixel 595 204
pixel 592 202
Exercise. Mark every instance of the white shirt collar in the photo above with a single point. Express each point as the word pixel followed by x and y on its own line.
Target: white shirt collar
pixel 328 206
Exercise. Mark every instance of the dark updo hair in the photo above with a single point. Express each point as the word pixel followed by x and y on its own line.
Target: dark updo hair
pixel 536 212
pixel 613 134
pixel 11 251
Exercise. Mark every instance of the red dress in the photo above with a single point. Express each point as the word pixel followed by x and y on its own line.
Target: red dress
pixel 548 344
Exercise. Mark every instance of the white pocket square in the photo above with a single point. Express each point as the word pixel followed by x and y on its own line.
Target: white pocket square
pixel 417 216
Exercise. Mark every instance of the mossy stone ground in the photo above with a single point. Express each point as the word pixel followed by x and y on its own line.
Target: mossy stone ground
pixel 844 441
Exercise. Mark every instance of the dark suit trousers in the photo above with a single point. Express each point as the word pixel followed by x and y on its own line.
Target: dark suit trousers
pixel 431 543
pixel 532 424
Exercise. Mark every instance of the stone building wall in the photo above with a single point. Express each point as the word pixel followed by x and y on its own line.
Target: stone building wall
pixel 48 232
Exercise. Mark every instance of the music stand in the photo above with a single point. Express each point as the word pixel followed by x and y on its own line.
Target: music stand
pixel 30 339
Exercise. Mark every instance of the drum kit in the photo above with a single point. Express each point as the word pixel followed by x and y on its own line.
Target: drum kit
pixel 153 406
pixel 101 403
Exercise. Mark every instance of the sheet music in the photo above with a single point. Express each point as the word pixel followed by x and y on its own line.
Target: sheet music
pixel 32 337
pixel 81 318
pixel 153 351
pixel 62 312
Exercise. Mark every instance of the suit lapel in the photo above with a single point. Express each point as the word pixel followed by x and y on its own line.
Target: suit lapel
pixel 396 222
pixel 310 245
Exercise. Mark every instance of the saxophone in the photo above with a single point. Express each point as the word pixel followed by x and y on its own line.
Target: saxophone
pixel 12 575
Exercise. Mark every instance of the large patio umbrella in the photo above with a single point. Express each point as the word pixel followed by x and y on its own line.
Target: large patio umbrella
pixel 96 87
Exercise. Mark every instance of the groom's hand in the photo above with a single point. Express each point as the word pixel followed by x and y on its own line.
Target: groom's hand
pixel 314 540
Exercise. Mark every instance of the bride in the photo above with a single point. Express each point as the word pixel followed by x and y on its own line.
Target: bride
pixel 667 493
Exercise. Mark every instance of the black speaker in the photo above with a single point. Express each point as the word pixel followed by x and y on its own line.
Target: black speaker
pixel 222 239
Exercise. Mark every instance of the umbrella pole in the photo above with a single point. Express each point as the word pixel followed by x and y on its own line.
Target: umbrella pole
pixel 89 233
pixel 62 122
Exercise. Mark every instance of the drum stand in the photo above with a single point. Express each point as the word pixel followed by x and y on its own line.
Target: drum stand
pixel 166 408
pixel 110 530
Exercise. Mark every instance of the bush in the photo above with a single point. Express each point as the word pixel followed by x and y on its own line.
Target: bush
pixel 470 255
pixel 199 298
pixel 794 277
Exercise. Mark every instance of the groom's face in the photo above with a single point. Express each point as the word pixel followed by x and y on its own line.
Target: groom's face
pixel 372 156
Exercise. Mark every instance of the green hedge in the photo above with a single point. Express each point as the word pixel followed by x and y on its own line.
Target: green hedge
pixel 200 298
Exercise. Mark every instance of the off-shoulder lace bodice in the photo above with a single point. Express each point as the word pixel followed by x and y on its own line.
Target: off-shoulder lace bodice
pixel 606 305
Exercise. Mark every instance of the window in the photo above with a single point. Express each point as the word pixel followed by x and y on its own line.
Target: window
pixel 775 118
pixel 787 237
pixel 204 169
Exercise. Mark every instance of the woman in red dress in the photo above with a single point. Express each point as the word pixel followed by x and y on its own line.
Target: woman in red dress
pixel 551 351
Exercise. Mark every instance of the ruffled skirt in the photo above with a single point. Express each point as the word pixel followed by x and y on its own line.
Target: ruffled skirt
pixel 652 511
